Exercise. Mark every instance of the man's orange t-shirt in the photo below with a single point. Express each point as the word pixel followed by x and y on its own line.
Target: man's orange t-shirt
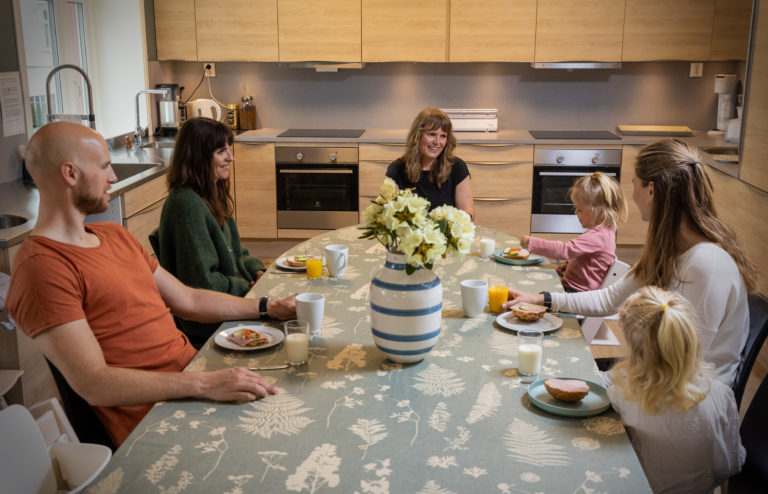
pixel 113 288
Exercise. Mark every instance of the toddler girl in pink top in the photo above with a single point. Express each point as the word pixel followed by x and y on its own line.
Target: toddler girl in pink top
pixel 600 205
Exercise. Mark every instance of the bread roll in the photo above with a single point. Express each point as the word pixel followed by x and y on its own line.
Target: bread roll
pixel 528 312
pixel 570 390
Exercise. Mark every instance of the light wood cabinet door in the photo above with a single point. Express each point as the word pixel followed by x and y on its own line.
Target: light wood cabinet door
pixel 404 31
pixel 575 31
pixel 632 232
pixel 319 30
pixel 142 223
pixel 236 30
pixel 511 216
pixel 730 32
pixel 374 161
pixel 175 30
pixel 492 30
pixel 664 30
pixel 144 195
pixel 255 190
pixel 754 167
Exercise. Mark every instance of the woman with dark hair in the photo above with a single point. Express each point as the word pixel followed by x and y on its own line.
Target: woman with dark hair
pixel 688 250
pixel 198 237
pixel 429 166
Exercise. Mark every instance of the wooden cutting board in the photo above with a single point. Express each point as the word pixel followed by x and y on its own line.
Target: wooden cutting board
pixel 655 130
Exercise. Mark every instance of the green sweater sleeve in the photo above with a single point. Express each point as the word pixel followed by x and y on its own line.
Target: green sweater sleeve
pixel 195 249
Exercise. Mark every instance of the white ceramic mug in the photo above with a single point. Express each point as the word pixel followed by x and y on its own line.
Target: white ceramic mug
pixel 310 308
pixel 336 257
pixel 474 297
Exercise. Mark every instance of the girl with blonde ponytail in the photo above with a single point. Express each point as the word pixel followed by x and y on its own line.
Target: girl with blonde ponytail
pixel 684 425
pixel 600 205
pixel 688 249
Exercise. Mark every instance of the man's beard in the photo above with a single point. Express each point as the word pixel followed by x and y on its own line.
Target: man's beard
pixel 87 204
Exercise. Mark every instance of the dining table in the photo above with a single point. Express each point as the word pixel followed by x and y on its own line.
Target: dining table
pixel 350 420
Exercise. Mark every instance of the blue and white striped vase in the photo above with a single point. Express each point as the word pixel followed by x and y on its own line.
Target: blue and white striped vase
pixel 406 310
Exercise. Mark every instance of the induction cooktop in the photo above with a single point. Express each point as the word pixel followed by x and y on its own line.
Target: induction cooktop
pixel 336 133
pixel 573 134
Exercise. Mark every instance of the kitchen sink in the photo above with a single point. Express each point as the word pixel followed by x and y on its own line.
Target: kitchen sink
pixel 160 145
pixel 11 220
pixel 127 170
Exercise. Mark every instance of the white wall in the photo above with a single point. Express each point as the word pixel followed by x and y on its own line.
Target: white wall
pixel 118 58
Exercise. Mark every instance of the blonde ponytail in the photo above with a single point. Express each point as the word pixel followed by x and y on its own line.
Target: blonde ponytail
pixel 664 368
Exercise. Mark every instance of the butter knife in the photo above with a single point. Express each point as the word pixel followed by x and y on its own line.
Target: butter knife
pixel 269 367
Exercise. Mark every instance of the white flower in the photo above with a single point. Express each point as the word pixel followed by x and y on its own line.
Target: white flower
pixel 388 189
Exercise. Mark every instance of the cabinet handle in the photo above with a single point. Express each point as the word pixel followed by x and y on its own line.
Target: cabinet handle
pixel 342 171
pixel 498 163
pixel 492 145
pixel 501 199
pixel 382 162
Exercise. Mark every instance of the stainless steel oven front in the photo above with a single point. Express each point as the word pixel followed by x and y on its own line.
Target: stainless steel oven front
pixel 317 187
pixel 554 172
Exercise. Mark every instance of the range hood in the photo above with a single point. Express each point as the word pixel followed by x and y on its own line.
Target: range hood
pixel 322 66
pixel 576 65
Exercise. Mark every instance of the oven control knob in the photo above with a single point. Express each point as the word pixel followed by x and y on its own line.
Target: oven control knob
pixel 559 158
pixel 332 157
pixel 595 158
pixel 299 156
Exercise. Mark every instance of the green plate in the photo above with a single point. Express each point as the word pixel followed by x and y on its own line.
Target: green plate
pixel 594 403
pixel 532 260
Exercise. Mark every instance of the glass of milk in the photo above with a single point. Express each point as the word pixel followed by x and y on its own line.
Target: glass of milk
pixel 487 242
pixel 296 341
pixel 529 351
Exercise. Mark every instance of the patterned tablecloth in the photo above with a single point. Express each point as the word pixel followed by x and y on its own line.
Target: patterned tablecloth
pixel 351 421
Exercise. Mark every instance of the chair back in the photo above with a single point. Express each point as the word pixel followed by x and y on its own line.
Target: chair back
pixel 25 466
pixel 758 331
pixel 754 436
pixel 154 241
pixel 53 422
pixel 86 424
pixel 616 272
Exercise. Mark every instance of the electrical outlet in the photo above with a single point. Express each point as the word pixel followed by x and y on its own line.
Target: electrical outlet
pixel 697 68
pixel 210 69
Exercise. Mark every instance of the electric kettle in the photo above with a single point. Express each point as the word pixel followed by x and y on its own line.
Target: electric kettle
pixel 204 108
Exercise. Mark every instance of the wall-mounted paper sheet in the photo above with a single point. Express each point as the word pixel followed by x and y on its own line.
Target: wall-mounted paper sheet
pixel 11 104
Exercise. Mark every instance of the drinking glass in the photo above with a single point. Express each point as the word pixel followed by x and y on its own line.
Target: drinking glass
pixel 314 264
pixel 529 351
pixel 296 341
pixel 497 295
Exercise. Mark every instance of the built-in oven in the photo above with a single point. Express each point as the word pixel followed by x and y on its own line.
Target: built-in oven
pixel 555 169
pixel 317 186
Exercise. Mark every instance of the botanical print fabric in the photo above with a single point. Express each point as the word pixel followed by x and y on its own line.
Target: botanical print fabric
pixel 352 421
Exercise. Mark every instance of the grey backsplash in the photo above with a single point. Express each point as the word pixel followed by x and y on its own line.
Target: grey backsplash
pixel 389 95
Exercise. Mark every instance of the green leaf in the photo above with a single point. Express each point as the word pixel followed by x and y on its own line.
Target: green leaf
pixel 410 269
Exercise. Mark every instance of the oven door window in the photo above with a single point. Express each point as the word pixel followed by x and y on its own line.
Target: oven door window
pixel 552 184
pixel 316 188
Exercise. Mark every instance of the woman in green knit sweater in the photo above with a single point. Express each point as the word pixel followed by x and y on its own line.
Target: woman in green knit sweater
pixel 198 237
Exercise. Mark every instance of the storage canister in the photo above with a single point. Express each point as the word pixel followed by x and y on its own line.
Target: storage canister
pixel 247 114
pixel 233 116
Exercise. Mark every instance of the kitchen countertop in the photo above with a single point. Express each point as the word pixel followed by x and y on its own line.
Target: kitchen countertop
pixel 22 199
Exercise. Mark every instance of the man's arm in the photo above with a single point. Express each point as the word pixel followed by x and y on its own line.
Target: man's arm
pixel 208 306
pixel 74 350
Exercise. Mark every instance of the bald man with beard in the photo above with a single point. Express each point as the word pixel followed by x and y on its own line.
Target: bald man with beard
pixel 99 306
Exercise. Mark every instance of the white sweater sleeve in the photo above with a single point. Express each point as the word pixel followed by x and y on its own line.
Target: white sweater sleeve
pixel 603 302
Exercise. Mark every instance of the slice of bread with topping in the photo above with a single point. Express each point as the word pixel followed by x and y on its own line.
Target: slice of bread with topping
pixel 570 390
pixel 528 312
pixel 515 253
pixel 247 337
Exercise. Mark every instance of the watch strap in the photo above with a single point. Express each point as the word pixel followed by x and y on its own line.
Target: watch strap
pixel 263 308
pixel 547 299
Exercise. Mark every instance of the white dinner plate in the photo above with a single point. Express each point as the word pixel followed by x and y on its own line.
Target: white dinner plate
pixel 284 265
pixel 546 324
pixel 532 259
pixel 275 336
pixel 596 401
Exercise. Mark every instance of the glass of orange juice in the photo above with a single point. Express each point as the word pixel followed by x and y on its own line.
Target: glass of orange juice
pixel 314 265
pixel 497 295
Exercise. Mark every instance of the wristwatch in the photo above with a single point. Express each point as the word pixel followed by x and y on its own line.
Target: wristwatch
pixel 263 308
pixel 547 299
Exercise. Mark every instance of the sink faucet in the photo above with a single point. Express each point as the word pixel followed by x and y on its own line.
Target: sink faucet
pixel 139 133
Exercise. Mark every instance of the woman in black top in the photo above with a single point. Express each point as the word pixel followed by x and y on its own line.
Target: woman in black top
pixel 429 166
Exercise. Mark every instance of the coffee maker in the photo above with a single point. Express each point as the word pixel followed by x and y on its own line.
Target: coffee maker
pixel 725 85
pixel 170 111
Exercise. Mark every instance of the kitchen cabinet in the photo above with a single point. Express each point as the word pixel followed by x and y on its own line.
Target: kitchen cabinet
pixel 632 232
pixel 730 32
pixel 575 31
pixel 142 207
pixel 6 258
pixel 502 176
pixel 754 168
pixel 664 30
pixel 492 30
pixel 404 31
pixel 175 30
pixel 236 30
pixel 319 30
pixel 255 186
pixel 374 160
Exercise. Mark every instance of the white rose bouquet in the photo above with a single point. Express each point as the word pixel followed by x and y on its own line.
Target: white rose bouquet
pixel 400 220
